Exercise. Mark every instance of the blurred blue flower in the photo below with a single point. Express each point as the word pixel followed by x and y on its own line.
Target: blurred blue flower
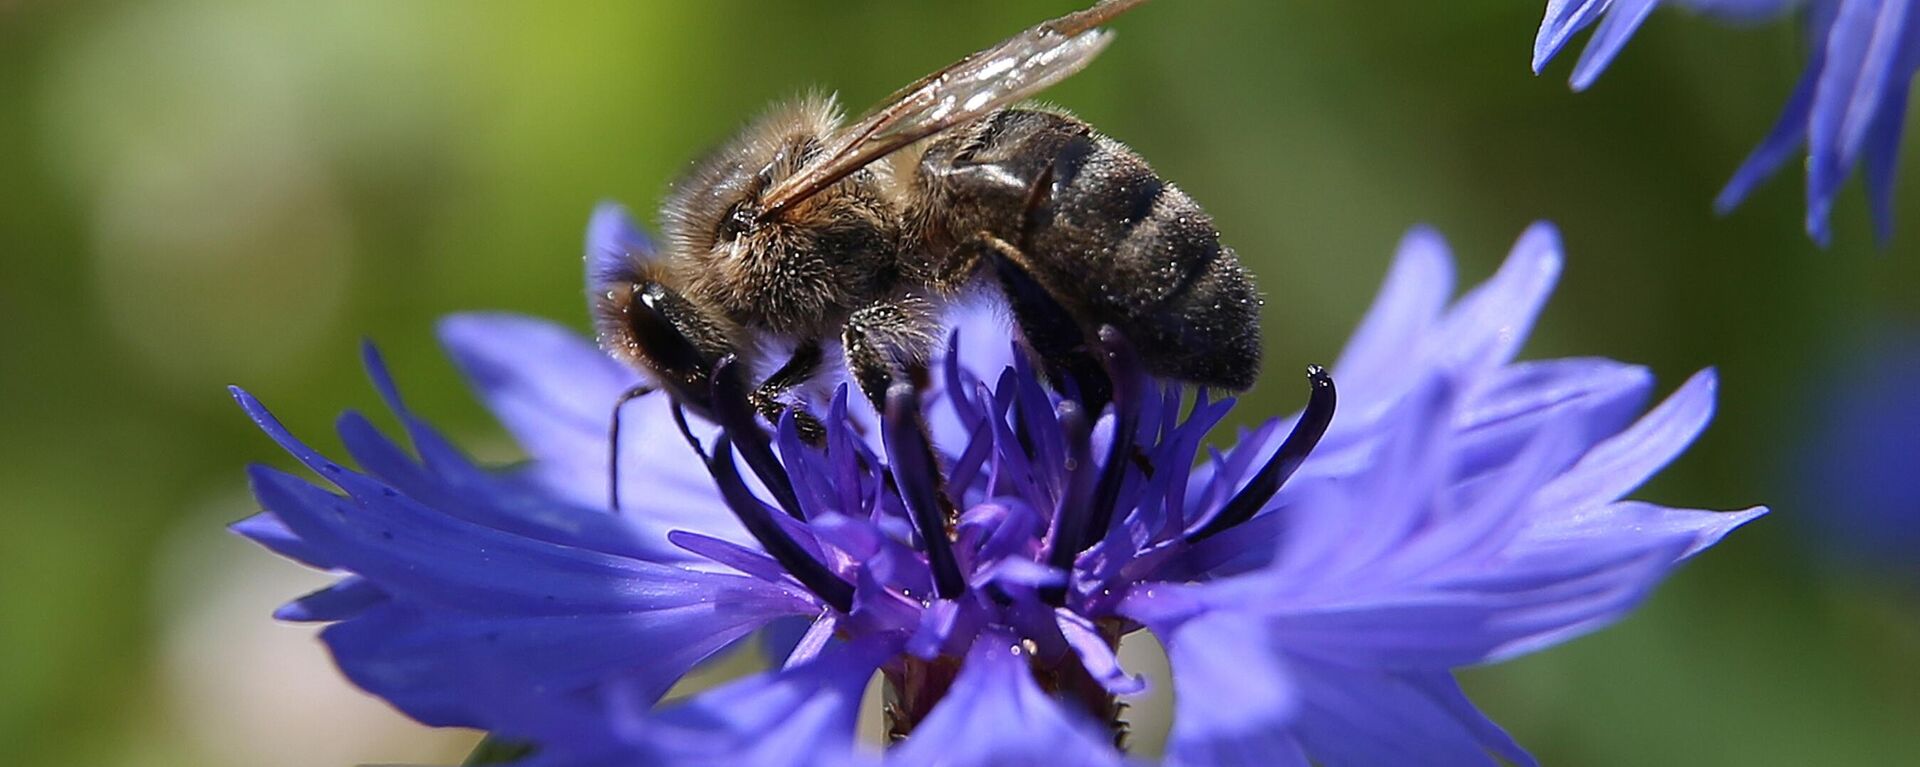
pixel 1849 108
pixel 1460 508
pixel 1862 462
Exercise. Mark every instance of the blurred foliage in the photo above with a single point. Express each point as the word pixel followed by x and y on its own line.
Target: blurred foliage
pixel 200 193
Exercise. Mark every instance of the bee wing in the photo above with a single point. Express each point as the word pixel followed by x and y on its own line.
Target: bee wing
pixel 1017 68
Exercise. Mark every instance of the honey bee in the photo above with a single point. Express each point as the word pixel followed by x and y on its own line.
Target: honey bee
pixel 805 232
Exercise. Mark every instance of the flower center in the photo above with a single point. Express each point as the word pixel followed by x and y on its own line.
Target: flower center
pixel 912 687
pixel 1056 531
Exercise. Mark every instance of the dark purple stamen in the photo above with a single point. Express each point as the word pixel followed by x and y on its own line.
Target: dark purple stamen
pixel 840 442
pixel 1300 442
pixel 1123 370
pixel 1072 519
pixel 760 523
pixel 959 383
pixel 967 467
pixel 919 482
pixel 736 416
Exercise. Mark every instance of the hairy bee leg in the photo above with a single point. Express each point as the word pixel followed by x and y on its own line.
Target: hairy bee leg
pixel 686 432
pixel 613 442
pixel 1055 336
pixel 888 341
pixel 798 368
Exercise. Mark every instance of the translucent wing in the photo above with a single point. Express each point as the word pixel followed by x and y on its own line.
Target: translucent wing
pixel 1017 68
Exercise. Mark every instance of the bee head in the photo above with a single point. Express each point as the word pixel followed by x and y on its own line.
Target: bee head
pixel 788 271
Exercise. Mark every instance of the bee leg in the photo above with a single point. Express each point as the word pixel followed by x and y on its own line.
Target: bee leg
pixel 887 344
pixel 800 367
pixel 1056 338
pixel 888 341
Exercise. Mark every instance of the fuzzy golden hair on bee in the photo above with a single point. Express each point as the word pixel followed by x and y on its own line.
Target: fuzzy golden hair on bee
pixel 793 273
pixel 767 148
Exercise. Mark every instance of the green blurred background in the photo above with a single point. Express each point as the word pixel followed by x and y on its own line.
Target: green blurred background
pixel 198 193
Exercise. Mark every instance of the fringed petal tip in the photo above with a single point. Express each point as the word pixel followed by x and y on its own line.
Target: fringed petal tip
pixel 1717 524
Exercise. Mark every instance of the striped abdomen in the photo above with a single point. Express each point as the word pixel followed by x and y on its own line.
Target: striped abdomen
pixel 1109 240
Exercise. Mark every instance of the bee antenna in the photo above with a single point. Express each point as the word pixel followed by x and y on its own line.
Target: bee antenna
pixel 613 442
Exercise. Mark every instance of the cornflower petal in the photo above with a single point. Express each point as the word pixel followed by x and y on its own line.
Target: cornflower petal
pixel 995 715
pixel 1564 19
pixel 555 393
pixel 1360 716
pixel 518 614
pixel 1848 108
pixel 614 245
pixel 1418 287
pixel 799 716
pixel 1619 464
pixel 1622 20
pixel 1235 700
pixel 267 530
pixel 344 599
pixel 445 479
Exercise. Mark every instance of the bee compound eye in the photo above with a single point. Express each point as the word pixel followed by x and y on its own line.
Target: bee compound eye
pixel 737 221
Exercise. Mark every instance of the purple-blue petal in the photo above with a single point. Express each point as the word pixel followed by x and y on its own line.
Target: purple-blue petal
pixel 800 716
pixel 1858 53
pixel 1692 530
pixel 499 501
pixel 1234 700
pixel 344 599
pixel 1621 463
pixel 615 246
pixel 1586 398
pixel 1788 134
pixel 1096 656
pixel 448 668
pixel 1526 605
pixel 1563 20
pixel 1372 718
pixel 1623 19
pixel 1848 108
pixel 1881 146
pixel 1402 318
pixel 408 549
pixel 267 530
pixel 995 716
pixel 1487 325
pixel 555 392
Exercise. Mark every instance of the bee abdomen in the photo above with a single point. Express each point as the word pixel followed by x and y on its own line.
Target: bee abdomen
pixel 1113 242
pixel 1177 290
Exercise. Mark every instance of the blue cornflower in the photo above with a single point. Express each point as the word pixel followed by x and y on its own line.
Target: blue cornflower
pixel 1848 109
pixel 1460 508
